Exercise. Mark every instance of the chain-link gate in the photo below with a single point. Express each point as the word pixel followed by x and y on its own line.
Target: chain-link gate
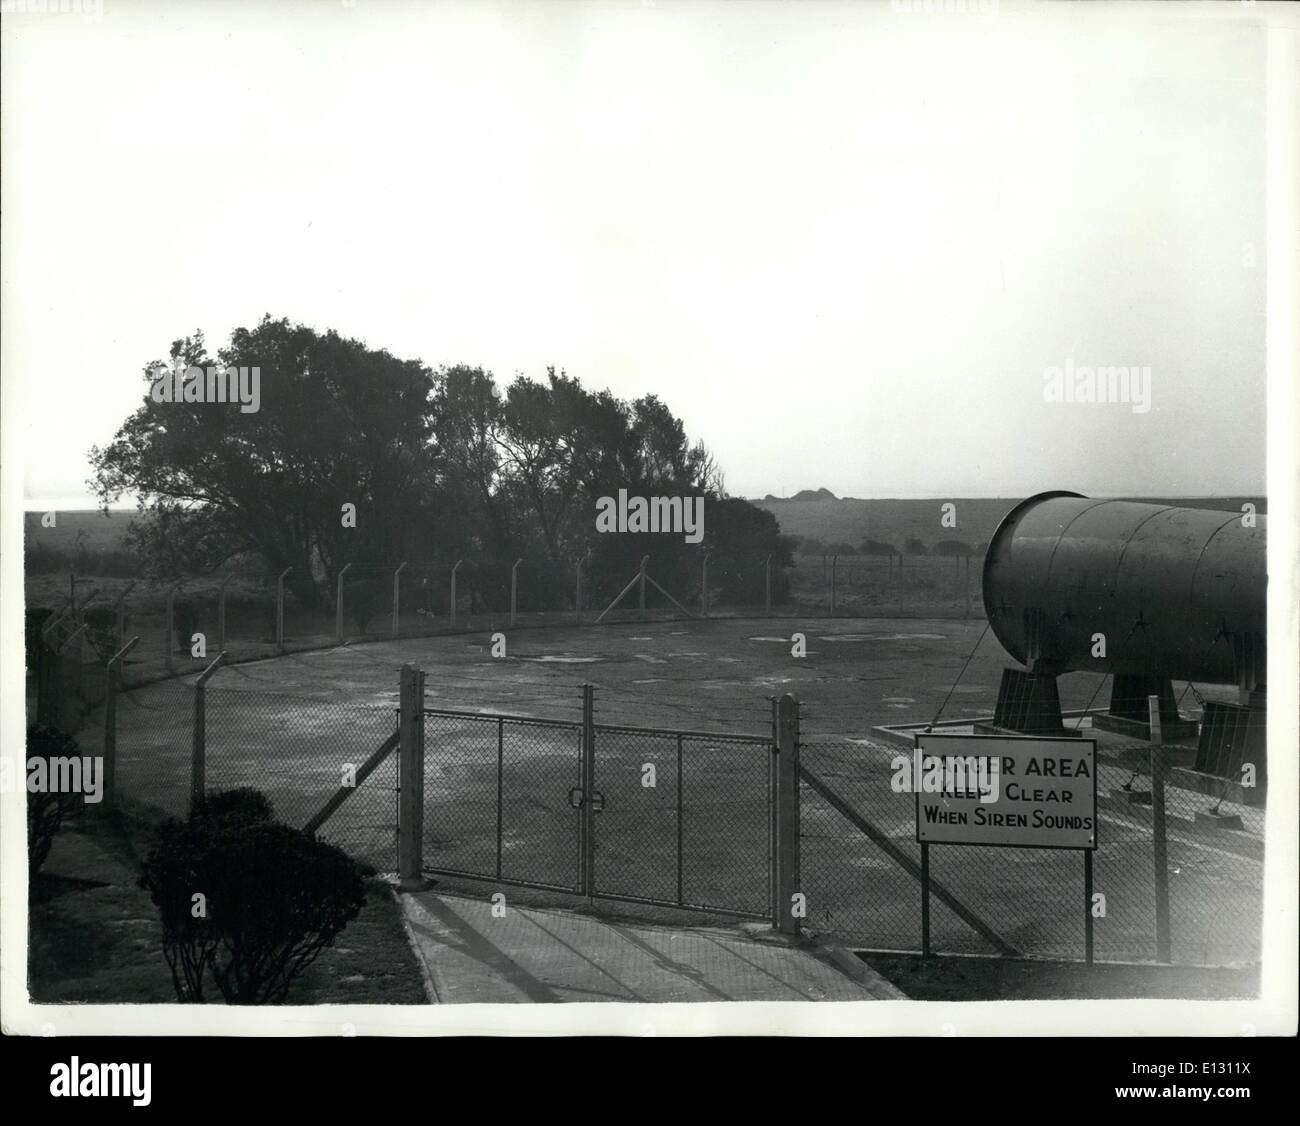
pixel 679 819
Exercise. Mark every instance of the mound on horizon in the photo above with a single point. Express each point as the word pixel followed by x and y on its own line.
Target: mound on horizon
pixel 804 495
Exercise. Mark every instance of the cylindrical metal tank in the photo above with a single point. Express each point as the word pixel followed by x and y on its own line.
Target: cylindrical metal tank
pixel 1175 592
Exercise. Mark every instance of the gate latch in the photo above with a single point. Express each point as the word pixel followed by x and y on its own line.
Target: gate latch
pixel 597 801
pixel 576 793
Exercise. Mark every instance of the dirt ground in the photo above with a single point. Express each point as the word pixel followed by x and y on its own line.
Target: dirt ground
pixel 1005 979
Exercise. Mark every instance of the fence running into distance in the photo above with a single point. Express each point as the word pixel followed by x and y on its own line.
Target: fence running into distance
pixel 570 806
pixel 181 625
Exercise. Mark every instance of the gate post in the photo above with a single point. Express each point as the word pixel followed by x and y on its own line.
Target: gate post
pixel 114 679
pixel 787 796
pixel 410 774
pixel 773 817
pixel 199 744
pixel 588 779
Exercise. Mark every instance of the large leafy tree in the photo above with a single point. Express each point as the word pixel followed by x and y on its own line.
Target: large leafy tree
pixel 439 466
pixel 339 423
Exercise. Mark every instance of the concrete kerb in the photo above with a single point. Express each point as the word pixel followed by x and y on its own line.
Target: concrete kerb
pixel 426 975
pixel 824 947
pixel 848 963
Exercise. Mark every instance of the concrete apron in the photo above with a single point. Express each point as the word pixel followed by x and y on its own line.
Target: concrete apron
pixel 468 954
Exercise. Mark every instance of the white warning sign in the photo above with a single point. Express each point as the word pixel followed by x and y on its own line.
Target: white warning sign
pixel 1008 790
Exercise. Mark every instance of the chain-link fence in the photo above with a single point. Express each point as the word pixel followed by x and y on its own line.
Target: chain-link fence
pixel 165 742
pixel 154 738
pixel 671 815
pixel 862 871
pixel 183 625
pixel 299 752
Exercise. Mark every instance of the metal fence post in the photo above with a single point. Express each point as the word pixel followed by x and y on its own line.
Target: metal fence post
pixel 645 559
pixel 577 594
pixel 787 845
pixel 1153 718
pixel 114 683
pixel 1088 928
pixel 221 613
pixel 452 615
pixel 410 766
pixel 120 612
pixel 397 597
pixel 704 585
pixel 338 605
pixel 1159 853
pixel 514 591
pixel 171 625
pixel 767 586
pixel 835 561
pixel 199 743
pixel 279 609
pixel 925 899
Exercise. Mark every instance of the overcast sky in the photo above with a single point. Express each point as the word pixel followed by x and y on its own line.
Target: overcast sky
pixel 843 242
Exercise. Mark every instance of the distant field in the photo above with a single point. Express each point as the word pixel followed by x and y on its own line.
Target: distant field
pixel 850 521
pixel 896 521
pixel 97 530
pixel 909 587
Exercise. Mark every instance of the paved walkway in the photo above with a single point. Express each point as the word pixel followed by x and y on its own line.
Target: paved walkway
pixel 534 954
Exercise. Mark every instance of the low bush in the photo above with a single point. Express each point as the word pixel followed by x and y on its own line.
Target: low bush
pixel 246 903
